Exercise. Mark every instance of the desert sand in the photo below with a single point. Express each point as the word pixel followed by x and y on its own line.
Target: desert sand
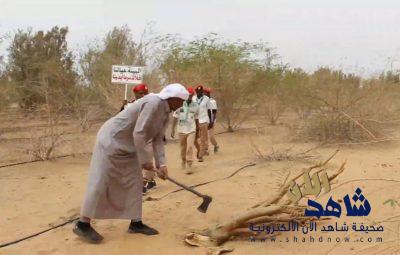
pixel 35 196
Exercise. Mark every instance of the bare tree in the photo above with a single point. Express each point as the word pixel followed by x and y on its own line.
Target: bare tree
pixel 338 99
pixel 53 110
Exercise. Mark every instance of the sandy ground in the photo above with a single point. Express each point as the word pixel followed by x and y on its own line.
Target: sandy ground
pixel 37 195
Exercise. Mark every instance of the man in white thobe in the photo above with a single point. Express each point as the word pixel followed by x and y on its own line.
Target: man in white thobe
pixel 115 178
pixel 140 90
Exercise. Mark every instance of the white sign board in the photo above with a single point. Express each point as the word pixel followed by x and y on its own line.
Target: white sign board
pixel 126 74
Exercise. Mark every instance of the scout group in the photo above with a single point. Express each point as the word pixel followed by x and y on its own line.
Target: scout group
pixel 133 141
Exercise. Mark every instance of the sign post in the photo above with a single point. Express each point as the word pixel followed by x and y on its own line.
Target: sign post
pixel 128 75
pixel 126 91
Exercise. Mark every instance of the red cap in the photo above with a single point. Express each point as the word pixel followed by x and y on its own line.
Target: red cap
pixel 190 90
pixel 207 90
pixel 140 88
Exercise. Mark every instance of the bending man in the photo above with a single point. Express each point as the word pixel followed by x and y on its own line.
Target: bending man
pixel 140 91
pixel 115 178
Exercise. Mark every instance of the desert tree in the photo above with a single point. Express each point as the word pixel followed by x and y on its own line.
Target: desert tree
pixel 342 104
pixel 272 93
pixel 30 55
pixel 384 93
pixel 5 92
pixel 117 47
pixel 227 67
pixel 4 99
pixel 297 88
pixel 1 57
pixel 40 68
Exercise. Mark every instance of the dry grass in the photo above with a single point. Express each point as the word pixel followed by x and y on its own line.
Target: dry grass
pixel 43 147
pixel 263 150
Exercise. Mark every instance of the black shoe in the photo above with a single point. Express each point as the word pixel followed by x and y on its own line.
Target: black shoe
pixel 84 230
pixel 144 190
pixel 151 184
pixel 216 148
pixel 139 227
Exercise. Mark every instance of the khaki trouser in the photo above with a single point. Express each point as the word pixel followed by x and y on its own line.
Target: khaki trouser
pixel 202 140
pixel 187 143
pixel 212 137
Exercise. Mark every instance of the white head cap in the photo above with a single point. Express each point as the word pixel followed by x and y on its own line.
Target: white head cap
pixel 174 90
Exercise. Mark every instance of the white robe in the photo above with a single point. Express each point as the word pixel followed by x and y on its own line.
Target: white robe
pixel 115 178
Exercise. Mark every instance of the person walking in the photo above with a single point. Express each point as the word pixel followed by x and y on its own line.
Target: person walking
pixel 213 108
pixel 186 118
pixel 204 121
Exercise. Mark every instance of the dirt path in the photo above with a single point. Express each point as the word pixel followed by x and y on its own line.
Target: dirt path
pixel 34 195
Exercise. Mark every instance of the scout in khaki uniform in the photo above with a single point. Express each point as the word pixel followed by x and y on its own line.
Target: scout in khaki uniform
pixel 213 108
pixel 115 182
pixel 186 118
pixel 204 121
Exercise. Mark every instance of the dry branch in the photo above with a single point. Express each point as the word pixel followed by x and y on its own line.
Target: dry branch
pixel 285 154
pixel 275 199
pixel 266 212
pixel 359 124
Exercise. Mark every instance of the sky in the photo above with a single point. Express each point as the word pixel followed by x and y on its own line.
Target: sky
pixel 359 36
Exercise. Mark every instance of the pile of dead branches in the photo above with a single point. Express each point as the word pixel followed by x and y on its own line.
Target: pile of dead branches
pixel 268 212
pixel 280 154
